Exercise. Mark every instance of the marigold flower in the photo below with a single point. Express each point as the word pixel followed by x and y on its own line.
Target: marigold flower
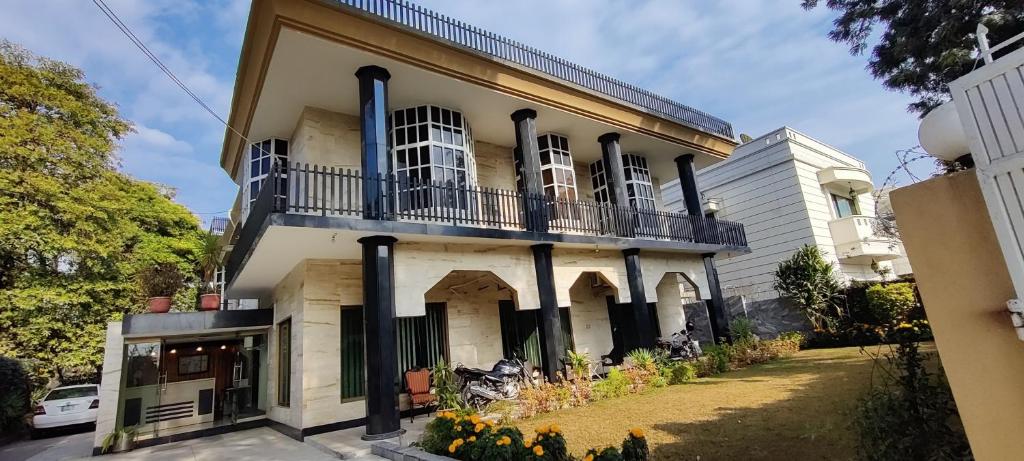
pixel 479 427
pixel 527 443
pixel 588 458
pixel 542 429
pixel 538 450
pixel 458 428
pixel 452 448
pixel 471 438
pixel 506 440
pixel 475 419
pixel 555 428
pixel 637 432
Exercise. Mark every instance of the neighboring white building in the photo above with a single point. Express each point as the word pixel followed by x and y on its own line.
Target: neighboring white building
pixel 788 190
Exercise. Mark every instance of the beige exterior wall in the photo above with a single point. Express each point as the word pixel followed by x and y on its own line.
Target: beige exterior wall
pixel 420 266
pixel 495 166
pixel 591 328
pixel 326 139
pixel 474 326
pixel 964 284
pixel 110 384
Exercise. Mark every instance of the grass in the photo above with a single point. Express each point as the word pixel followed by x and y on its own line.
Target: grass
pixel 795 408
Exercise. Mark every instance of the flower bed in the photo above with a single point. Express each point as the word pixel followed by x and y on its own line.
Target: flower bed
pixel 471 438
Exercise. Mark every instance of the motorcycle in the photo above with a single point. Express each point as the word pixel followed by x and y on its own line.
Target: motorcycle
pixel 478 387
pixel 681 345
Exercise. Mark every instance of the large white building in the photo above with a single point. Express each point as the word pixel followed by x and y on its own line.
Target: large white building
pixel 789 190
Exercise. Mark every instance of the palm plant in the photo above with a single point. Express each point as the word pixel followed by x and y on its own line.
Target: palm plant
pixel 579 362
pixel 809 280
pixel 209 261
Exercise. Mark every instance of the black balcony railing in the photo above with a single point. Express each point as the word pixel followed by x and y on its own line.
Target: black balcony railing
pixel 459 33
pixel 315 190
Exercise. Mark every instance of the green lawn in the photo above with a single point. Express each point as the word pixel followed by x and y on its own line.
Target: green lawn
pixel 795 408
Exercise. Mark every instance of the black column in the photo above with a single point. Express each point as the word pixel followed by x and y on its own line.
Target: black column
pixel 373 136
pixel 527 154
pixel 615 177
pixel 688 182
pixel 716 305
pixel 643 334
pixel 551 323
pixel 382 417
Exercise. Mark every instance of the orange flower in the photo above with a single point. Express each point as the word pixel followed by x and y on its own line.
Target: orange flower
pixel 475 419
pixel 471 438
pixel 479 427
pixel 538 450
pixel 527 443
pixel 636 432
pixel 542 429
pixel 554 428
pixel 506 440
pixel 588 458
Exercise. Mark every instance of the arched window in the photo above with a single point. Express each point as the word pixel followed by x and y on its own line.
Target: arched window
pixel 433 157
pixel 262 155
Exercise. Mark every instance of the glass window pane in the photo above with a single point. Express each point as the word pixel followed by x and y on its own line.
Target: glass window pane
pixel 548 177
pixel 456 119
pixel 413 158
pixel 254 169
pixel 545 157
pixel 423 133
pixel 254 151
pixel 435 132
pixel 400 159
pixel 565 143
pixel 446 117
pixel 280 147
pixel 435 114
pixel 424 155
pixel 542 142
pixel 460 159
pixel 449 157
pixel 446 135
pixel 410 116
pixel 400 118
pixel 457 138
pixel 421 114
pixel 410 135
pixel 400 137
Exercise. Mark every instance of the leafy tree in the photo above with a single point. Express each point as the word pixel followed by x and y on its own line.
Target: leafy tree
pixel 73 230
pixel 925 44
pixel 810 282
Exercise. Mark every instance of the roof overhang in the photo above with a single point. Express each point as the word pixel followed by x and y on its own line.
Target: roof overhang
pixel 304 52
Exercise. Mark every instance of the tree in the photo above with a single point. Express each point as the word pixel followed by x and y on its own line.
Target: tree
pixel 810 282
pixel 925 44
pixel 73 230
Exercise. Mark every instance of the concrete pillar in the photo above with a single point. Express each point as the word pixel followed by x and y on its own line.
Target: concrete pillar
pixel 688 182
pixel 378 202
pixel 716 305
pixel 382 417
pixel 531 185
pixel 642 335
pixel 551 324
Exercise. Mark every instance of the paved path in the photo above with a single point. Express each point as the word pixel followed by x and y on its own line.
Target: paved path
pixel 253 444
pixel 58 446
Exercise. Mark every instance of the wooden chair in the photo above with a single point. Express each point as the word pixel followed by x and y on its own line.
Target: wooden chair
pixel 418 387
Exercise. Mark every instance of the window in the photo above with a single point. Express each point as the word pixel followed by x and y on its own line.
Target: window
pixel 556 167
pixel 261 158
pixel 284 360
pixel 421 342
pixel 639 188
pixel 845 206
pixel 433 146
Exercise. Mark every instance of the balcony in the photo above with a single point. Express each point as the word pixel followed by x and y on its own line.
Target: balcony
pixel 856 179
pixel 308 196
pixel 857 242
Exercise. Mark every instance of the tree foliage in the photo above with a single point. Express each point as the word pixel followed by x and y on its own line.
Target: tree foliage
pixel 810 282
pixel 924 44
pixel 73 230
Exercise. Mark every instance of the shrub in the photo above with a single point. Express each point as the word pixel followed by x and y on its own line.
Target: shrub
pixel 742 329
pixel 471 438
pixel 719 356
pixel 15 394
pixel 616 384
pixel 634 448
pixel 641 358
pixel 910 414
pixel 579 362
pixel 683 372
pixel 810 282
pixel 891 303
pixel 444 386
pixel 161 280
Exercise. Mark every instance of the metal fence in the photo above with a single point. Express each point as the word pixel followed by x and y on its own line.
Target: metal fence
pixel 440 26
pixel 302 188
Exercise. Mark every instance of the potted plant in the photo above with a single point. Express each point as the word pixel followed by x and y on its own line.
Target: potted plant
pixel 119 441
pixel 209 262
pixel 159 283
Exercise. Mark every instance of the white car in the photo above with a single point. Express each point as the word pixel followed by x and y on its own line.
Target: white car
pixel 67 406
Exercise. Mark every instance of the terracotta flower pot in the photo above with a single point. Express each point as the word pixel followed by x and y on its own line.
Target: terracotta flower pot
pixel 209 302
pixel 159 305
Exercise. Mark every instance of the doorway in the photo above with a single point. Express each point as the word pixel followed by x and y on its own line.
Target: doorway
pixel 522 336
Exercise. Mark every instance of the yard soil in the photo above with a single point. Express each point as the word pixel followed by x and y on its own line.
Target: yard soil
pixel 795 408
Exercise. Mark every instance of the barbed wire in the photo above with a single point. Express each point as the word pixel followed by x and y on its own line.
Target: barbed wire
pixel 885 222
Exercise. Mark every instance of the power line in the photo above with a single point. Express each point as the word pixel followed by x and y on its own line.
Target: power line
pixel 127 31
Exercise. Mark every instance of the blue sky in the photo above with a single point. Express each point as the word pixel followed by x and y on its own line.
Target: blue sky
pixel 759 64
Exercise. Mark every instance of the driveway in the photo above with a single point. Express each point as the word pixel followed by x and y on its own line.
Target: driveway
pixel 249 445
pixel 65 444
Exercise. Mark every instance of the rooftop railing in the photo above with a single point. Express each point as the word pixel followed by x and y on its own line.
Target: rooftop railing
pixel 299 188
pixel 457 32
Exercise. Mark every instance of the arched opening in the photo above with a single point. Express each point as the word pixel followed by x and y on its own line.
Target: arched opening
pixel 590 315
pixel 679 300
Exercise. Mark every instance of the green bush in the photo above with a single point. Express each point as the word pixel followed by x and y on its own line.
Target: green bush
pixel 910 414
pixel 891 303
pixel 719 356
pixel 742 329
pixel 15 394
pixel 616 384
pixel 683 372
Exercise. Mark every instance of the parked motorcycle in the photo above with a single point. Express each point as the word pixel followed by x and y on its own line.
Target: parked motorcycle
pixel 478 387
pixel 681 345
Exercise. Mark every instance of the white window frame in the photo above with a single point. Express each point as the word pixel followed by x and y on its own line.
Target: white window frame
pixel 437 134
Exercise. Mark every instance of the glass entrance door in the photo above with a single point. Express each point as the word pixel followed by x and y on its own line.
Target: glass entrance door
pixel 143 378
